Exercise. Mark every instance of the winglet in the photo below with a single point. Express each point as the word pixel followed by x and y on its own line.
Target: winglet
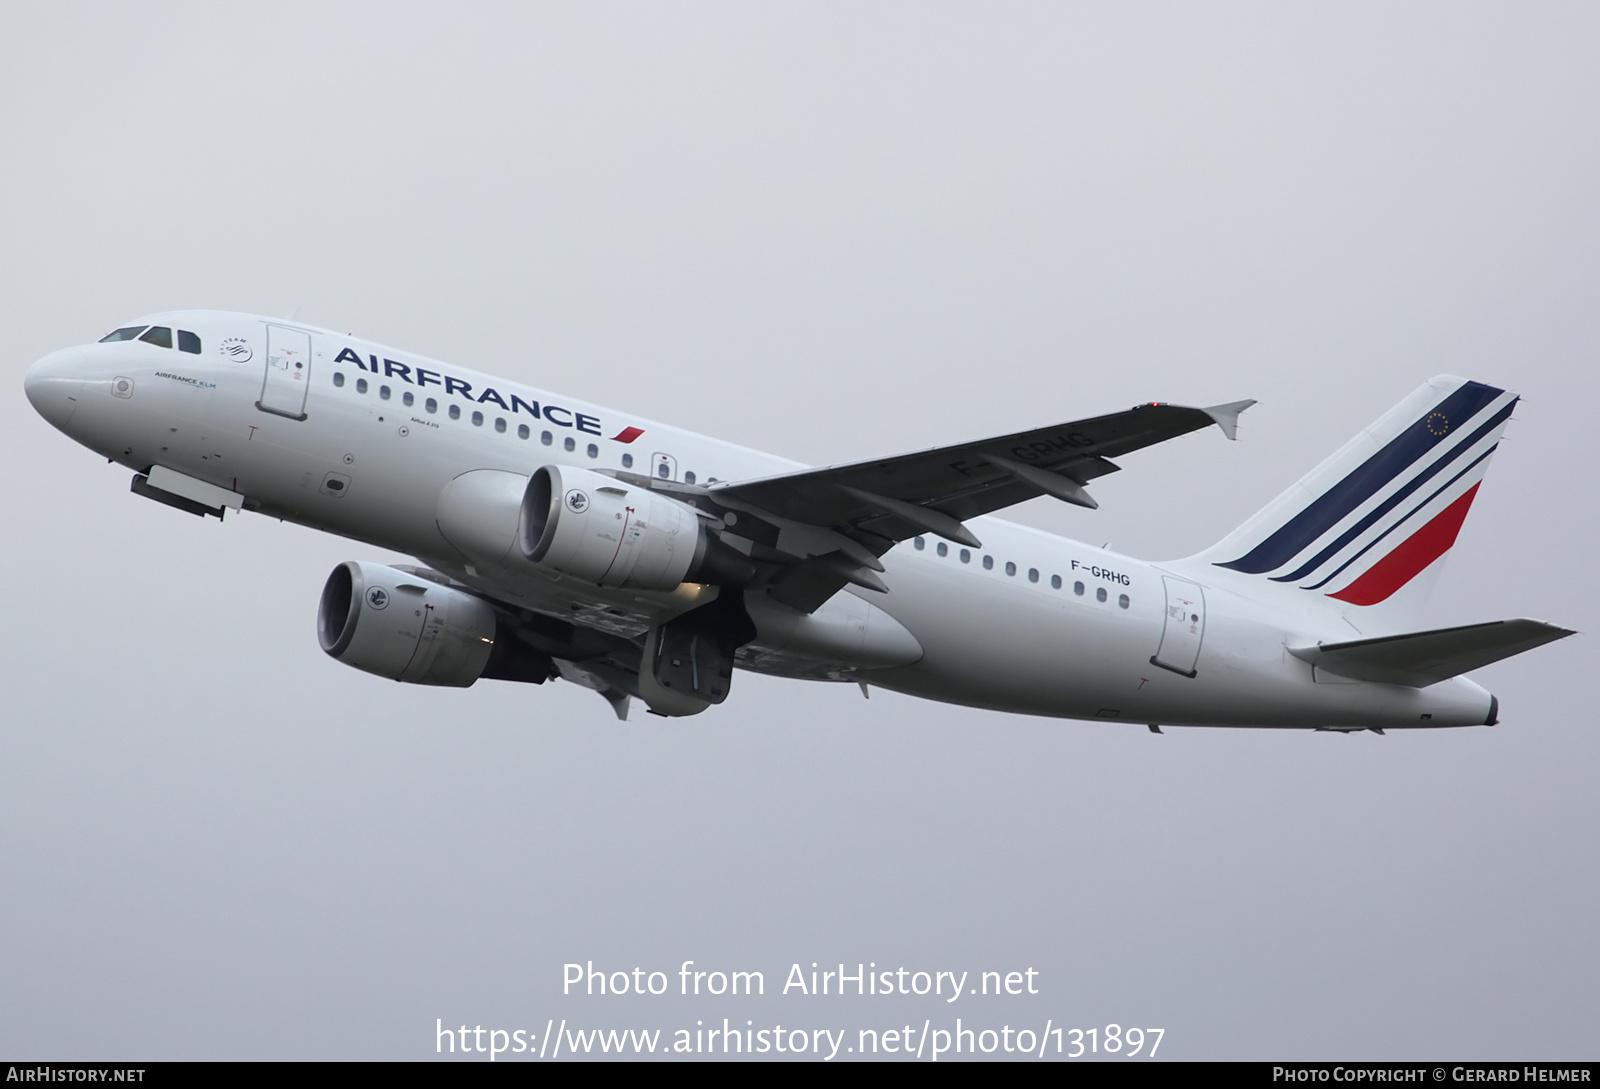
pixel 1227 416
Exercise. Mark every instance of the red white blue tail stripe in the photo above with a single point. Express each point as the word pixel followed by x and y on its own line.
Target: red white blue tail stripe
pixel 1371 518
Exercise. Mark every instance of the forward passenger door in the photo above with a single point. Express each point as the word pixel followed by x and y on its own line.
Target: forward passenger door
pixel 288 372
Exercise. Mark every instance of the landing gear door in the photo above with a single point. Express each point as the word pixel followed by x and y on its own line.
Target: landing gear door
pixel 1183 627
pixel 288 372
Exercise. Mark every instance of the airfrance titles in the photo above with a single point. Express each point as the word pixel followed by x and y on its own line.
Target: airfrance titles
pixel 456 387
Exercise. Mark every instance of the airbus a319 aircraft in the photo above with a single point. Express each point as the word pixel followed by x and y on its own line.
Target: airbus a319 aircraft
pixel 561 539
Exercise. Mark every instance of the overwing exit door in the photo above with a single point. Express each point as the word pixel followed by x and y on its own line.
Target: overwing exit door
pixel 1183 628
pixel 288 372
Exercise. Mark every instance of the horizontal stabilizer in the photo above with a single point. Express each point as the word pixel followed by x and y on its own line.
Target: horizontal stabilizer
pixel 1421 658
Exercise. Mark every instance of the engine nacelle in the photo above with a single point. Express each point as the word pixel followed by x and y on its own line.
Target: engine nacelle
pixel 386 621
pixel 585 525
pixel 610 533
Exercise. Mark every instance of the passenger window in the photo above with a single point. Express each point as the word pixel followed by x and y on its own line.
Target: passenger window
pixel 1011 568
pixel 1055 582
pixel 188 342
pixel 383 392
pixel 123 334
pixel 545 437
pixel 1033 574
pixel 500 424
pixel 522 431
pixel 159 335
pixel 627 461
pixel 408 398
pixel 1077 588
pixel 966 557
pixel 919 544
pixel 594 451
pixel 1122 599
pixel 569 445
pixel 431 405
pixel 338 379
pixel 688 478
pixel 361 385
pixel 477 419
pixel 988 563
pixel 1100 593
pixel 943 549
pixel 455 412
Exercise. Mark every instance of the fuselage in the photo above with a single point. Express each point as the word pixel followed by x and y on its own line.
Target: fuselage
pixel 354 438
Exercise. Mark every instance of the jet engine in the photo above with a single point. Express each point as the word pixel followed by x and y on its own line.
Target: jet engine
pixel 403 626
pixel 602 530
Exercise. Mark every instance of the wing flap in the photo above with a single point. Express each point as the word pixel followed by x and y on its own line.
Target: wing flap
pixel 1418 659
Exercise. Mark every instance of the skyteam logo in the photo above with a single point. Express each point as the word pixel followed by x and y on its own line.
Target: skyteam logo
pixel 1386 506
pixel 378 597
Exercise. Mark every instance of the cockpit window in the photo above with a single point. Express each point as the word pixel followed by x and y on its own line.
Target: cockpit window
pixel 188 342
pixel 123 334
pixel 159 335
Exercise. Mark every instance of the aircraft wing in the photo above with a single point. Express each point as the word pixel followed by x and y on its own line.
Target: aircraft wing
pixel 865 507
pixel 932 490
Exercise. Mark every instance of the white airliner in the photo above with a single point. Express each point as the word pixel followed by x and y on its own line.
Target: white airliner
pixel 563 539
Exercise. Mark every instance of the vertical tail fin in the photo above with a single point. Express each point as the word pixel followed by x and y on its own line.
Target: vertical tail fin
pixel 1382 510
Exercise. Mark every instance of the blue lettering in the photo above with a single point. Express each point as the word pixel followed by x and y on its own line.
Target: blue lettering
pixel 549 411
pixel 518 402
pixel 390 366
pixel 590 424
pixel 491 395
pixel 347 356
pixel 424 376
pixel 456 385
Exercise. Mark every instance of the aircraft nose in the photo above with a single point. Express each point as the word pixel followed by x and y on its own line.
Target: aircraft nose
pixel 54 384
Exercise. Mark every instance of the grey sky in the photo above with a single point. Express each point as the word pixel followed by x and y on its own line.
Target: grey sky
pixel 830 231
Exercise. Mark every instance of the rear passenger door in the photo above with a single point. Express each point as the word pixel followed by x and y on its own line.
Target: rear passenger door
pixel 1184 627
